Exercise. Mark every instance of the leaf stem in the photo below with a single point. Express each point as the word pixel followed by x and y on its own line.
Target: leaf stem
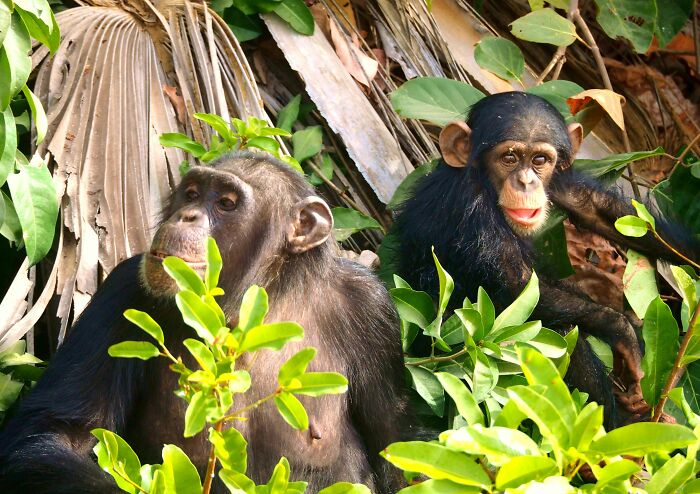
pixel 444 358
pixel 211 464
pixel 677 370
pixel 235 414
pixel 560 55
pixel 673 249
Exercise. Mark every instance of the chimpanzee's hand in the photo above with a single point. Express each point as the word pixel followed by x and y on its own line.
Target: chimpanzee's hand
pixel 627 360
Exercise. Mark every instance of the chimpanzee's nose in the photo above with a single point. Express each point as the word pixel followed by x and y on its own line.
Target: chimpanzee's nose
pixel 193 217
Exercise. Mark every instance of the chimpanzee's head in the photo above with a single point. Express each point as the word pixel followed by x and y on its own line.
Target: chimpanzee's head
pixel 260 212
pixel 520 139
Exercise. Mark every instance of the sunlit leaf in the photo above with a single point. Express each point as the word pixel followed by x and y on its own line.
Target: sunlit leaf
pixel 544 26
pixel 347 221
pixel 133 349
pixel 500 56
pixel 145 322
pixel 292 410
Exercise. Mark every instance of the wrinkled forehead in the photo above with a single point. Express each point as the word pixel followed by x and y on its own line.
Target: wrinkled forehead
pixel 214 178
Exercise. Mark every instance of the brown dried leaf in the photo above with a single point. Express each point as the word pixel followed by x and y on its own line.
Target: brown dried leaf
pixel 361 67
pixel 608 101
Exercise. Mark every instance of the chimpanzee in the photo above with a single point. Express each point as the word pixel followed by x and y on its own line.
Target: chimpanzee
pixel 272 231
pixel 498 174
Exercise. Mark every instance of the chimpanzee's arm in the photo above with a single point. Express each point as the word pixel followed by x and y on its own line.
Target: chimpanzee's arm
pixel 591 206
pixel 47 447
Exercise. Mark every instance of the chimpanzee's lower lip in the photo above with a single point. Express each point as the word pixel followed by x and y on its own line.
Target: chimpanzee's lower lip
pixel 159 257
pixel 525 217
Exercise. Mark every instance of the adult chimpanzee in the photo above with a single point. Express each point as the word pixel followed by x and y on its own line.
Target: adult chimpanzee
pixel 491 191
pixel 274 232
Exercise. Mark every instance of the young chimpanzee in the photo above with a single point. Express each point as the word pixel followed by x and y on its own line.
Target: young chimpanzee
pixel 274 232
pixel 498 174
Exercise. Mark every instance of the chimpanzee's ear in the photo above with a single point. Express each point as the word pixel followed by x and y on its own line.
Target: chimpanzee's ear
pixel 576 137
pixel 312 224
pixel 455 144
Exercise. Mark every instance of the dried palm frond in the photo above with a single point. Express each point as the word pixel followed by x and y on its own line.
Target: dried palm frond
pixel 126 71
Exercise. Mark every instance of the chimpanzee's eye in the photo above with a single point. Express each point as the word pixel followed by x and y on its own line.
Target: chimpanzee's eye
pixel 226 204
pixel 509 158
pixel 539 160
pixel 192 194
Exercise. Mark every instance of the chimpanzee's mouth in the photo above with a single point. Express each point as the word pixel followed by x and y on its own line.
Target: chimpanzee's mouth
pixel 159 256
pixel 525 217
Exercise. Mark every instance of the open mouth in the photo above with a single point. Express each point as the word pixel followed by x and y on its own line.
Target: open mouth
pixel 158 255
pixel 525 217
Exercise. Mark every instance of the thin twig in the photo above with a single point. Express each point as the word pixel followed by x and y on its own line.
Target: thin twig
pixel 677 370
pixel 681 157
pixel 445 358
pixel 603 71
pixel 672 249
pixel 559 55
pixel 211 464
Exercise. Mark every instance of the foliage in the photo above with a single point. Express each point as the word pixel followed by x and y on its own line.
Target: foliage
pixel 28 214
pixel 212 388
pixel 18 372
pixel 256 133
pixel 242 16
pixel 493 454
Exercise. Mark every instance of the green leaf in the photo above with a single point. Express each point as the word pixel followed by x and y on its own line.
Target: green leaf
pixel 500 56
pixel 484 377
pixel 687 289
pixel 518 312
pixel 185 277
pixel 273 336
pixel 544 26
pixel 486 309
pixel 549 343
pixel 677 396
pixel 617 471
pixel 181 476
pixel 196 414
pixel 297 15
pixel 9 391
pixel 198 315
pixel 440 486
pixel 279 480
pixel 267 144
pixel 446 286
pixel 587 426
pixel 348 221
pixel 183 142
pixel 464 400
pixel 237 483
pixel 557 92
pixel 244 27
pixel 541 410
pixel 643 437
pixel 230 448
pixel 522 332
pixel 38 112
pixel 295 366
pixel 307 143
pixel 644 213
pixel 345 488
pixel 614 162
pixel 214 264
pixel 405 189
pixel 660 334
pixel 112 451
pixel 11 229
pixel 435 99
pixel 253 309
pixel 498 444
pixel 326 169
pixel 146 323
pixel 8 141
pixel 671 476
pixel 413 306
pixel 671 18
pixel 36 205
pixel 631 226
pixel 292 410
pixel 201 353
pixel 429 388
pixel 630 19
pixel 39 19
pixel 437 462
pixel 289 114
pixel 15 63
pixel 519 471
pixel 639 282
pixel 5 18
pixel 318 383
pixel 134 349
pixel 218 124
